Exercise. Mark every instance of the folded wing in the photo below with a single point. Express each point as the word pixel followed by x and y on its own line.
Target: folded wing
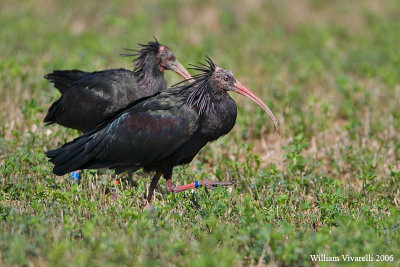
pixel 147 132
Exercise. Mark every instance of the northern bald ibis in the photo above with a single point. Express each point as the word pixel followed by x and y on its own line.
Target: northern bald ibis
pixel 90 97
pixel 159 132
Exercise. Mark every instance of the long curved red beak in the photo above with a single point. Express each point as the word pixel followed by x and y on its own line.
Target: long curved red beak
pixel 183 72
pixel 244 91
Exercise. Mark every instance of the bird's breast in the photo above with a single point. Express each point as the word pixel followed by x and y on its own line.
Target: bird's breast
pixel 220 119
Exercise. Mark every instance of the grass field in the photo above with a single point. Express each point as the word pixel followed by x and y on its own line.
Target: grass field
pixel 329 70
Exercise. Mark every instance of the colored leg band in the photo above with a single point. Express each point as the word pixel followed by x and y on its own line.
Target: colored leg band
pixel 75 176
pixel 196 184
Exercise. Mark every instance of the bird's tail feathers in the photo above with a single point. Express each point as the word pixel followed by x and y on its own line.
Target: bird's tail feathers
pixel 63 79
pixel 78 153
pixel 51 114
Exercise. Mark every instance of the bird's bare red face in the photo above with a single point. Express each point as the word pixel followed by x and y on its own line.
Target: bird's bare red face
pixel 224 80
pixel 167 61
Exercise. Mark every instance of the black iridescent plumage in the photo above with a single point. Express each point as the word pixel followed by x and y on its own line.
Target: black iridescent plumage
pixel 89 97
pixel 158 132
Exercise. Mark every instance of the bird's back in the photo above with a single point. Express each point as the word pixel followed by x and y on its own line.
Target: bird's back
pixel 63 79
pixel 92 96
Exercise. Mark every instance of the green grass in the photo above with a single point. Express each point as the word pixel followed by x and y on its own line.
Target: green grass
pixel 329 70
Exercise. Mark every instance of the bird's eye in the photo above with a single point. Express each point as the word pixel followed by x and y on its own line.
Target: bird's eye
pixel 226 78
pixel 169 57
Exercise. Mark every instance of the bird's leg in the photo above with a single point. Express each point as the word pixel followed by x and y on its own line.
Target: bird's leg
pixel 211 185
pixel 153 185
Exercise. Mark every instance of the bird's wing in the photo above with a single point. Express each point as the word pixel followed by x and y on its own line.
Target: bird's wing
pixel 109 84
pixel 144 137
pixel 148 132
pixel 103 83
pixel 94 97
pixel 63 79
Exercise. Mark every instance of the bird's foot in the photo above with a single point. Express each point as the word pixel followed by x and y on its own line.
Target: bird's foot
pixel 212 185
pixel 149 207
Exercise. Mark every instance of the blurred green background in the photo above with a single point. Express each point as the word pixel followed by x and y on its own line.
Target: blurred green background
pixel 329 70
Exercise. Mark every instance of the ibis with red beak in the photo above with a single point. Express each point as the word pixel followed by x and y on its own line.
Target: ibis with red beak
pixel 90 97
pixel 162 131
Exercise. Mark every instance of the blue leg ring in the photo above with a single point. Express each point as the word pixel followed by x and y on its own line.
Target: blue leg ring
pixel 75 176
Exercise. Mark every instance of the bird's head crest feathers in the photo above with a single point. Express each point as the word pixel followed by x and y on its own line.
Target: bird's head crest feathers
pixel 141 53
pixel 200 97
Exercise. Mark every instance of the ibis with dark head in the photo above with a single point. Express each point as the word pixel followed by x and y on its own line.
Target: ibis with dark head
pixel 162 131
pixel 90 97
